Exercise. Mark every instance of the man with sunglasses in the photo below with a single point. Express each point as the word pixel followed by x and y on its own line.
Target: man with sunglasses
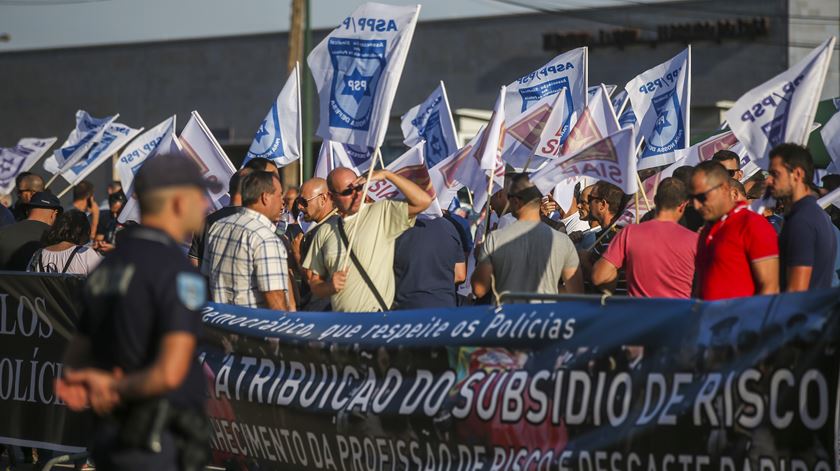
pixel 737 250
pixel 317 207
pixel 606 202
pixel 807 243
pixel 731 162
pixel 528 255
pixel 368 283
pixel 26 184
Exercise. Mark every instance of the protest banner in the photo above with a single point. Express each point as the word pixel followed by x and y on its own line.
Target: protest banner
pixel 431 121
pixel 654 384
pixel 38 315
pixel 20 158
pixel 279 135
pixel 781 109
pixel 661 101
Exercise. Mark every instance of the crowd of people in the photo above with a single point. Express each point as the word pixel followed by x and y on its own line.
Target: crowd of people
pixel 289 250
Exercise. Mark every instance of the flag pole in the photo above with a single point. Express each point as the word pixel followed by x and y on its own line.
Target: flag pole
pixel 64 191
pixel 52 179
pixel 300 124
pixel 644 193
pixel 487 208
pixel 362 206
pixel 636 195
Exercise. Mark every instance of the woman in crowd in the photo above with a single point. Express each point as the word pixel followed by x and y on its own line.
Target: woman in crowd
pixel 66 247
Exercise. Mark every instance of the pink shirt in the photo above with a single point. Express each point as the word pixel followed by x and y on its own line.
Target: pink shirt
pixel 658 258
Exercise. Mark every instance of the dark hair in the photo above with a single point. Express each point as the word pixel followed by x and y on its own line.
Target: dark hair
pixel 609 193
pixel 259 164
pixel 117 196
pixel 724 155
pixel 19 178
pixel 115 185
pixel 831 182
pixel 670 194
pixel 255 184
pixel 235 184
pixel 83 190
pixel 757 189
pixel 71 226
pixel 713 169
pixel 733 183
pixel 684 174
pixel 795 156
pixel 522 188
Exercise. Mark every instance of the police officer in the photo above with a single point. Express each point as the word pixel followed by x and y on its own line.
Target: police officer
pixel 133 358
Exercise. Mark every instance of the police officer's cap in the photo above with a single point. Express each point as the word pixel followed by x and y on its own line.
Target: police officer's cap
pixel 168 170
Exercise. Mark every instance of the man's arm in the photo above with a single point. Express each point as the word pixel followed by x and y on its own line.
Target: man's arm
pixel 324 288
pixel 276 300
pixel 603 273
pixel 418 200
pixel 166 374
pixel 460 272
pixel 481 279
pixel 765 272
pixel 798 278
pixel 573 281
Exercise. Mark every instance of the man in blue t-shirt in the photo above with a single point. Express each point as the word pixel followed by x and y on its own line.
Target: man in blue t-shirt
pixel 807 244
pixel 428 264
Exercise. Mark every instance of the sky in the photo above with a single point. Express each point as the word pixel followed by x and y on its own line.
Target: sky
pixel 46 24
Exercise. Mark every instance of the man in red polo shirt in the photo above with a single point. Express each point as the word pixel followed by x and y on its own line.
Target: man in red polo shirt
pixel 738 250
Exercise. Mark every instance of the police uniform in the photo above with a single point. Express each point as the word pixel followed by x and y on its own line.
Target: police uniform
pixel 143 290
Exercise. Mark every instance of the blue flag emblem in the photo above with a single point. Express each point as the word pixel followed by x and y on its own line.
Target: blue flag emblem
pixel 776 127
pixel 10 166
pixel 436 148
pixel 536 93
pixel 357 70
pixel 668 132
pixel 268 140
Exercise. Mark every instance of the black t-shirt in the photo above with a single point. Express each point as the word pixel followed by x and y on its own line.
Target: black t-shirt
pixel 18 242
pixel 144 289
pixel 199 238
pixel 424 265
pixel 807 240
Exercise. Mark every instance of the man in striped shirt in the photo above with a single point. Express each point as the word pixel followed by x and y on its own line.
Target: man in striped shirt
pixel 245 261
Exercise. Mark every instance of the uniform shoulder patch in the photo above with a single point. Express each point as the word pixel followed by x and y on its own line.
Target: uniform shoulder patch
pixel 192 290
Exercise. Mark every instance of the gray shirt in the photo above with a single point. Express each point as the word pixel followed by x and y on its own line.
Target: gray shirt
pixel 529 257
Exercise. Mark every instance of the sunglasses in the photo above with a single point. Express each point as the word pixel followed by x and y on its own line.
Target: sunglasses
pixel 304 202
pixel 732 173
pixel 348 191
pixel 701 197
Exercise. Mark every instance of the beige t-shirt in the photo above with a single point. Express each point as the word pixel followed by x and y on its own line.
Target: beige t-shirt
pixel 528 257
pixel 382 223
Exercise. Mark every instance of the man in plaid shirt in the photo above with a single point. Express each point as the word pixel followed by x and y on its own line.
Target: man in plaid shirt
pixel 244 259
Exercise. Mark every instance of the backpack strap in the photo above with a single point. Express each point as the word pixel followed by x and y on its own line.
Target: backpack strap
pixel 70 258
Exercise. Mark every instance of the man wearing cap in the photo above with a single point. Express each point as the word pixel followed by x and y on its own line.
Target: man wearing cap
pixel 133 356
pixel 20 240
pixel 528 255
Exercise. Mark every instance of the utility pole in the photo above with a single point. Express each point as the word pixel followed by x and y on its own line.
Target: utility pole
pixel 307 92
pixel 291 173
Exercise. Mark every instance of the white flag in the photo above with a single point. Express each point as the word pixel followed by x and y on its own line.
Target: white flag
pixel 20 158
pixel 132 158
pixel 591 91
pixel 612 159
pixel 619 100
pixel 463 168
pixel 830 133
pixel 530 98
pixel 550 143
pixel 431 121
pixel 116 135
pixel 88 131
pixel 412 166
pixel 334 155
pixel 489 149
pixel 661 100
pixel 200 144
pixel 357 68
pixel 595 122
pixel 279 136
pixel 781 109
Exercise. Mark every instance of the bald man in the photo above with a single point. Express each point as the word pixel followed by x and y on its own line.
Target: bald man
pixel 738 250
pixel 368 284
pixel 317 207
pixel 27 185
